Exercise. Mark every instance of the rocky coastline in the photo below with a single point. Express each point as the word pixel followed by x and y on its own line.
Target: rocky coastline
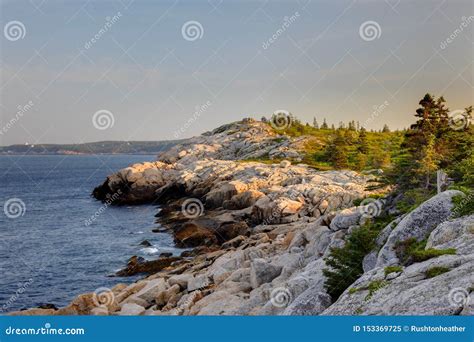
pixel 258 236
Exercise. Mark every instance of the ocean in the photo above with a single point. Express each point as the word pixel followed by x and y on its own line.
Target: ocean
pixel 56 241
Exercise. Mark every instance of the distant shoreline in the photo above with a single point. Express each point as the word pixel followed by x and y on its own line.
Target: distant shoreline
pixel 93 148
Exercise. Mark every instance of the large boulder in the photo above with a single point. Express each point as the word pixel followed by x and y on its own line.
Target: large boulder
pixel 346 218
pixel 418 224
pixel 192 234
pixel 310 303
pixel 262 272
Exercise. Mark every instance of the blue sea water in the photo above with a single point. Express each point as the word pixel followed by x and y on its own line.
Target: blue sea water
pixel 48 254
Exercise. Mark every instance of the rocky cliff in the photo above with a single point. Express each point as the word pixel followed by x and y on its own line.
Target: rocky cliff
pixel 259 235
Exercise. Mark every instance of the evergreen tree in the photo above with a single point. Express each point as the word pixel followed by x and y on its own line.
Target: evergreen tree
pixel 362 143
pixel 315 123
pixel 324 125
pixel 337 151
pixel 385 129
pixel 428 163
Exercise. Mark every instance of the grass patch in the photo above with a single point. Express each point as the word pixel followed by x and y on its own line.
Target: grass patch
pixel 374 286
pixel 436 271
pixel 411 250
pixel 353 290
pixel 391 269
pixel 419 256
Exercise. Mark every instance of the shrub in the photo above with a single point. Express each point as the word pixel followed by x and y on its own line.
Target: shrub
pixel 345 264
pixel 412 250
pixel 422 255
pixel 463 205
pixel 374 286
pixel 436 271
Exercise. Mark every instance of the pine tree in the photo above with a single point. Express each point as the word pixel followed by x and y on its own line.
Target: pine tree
pixel 362 143
pixel 315 123
pixel 324 125
pixel 428 163
pixel 385 129
pixel 337 151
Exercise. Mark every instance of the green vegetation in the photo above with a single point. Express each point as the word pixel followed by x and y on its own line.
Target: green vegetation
pixel 413 198
pixel 374 287
pixel 391 269
pixel 101 147
pixel 463 205
pixel 412 250
pixel 353 290
pixel 345 264
pixel 422 255
pixel 436 271
pixel 409 160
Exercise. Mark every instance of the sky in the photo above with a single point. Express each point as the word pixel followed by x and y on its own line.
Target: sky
pixel 81 71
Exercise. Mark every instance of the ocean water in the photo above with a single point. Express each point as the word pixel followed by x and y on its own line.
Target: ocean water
pixel 48 253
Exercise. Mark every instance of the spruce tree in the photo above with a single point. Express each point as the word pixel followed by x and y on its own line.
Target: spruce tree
pixel 315 123
pixel 324 125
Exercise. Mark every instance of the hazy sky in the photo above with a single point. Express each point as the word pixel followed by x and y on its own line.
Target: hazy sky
pixel 149 73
